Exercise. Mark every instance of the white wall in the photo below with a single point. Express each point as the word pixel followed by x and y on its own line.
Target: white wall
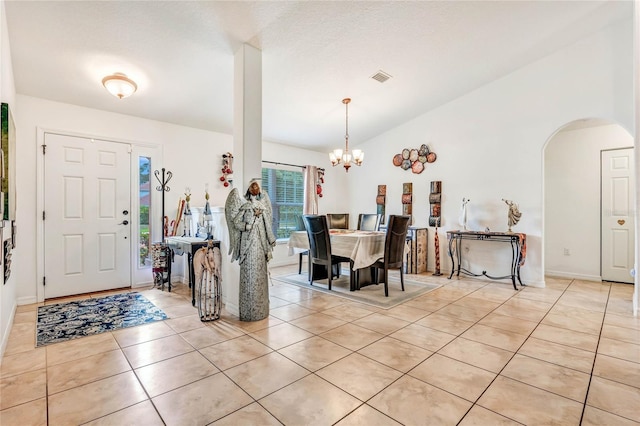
pixel 572 195
pixel 7 95
pixel 490 145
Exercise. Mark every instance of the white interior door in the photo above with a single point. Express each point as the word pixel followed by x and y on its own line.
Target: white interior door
pixel 86 230
pixel 618 225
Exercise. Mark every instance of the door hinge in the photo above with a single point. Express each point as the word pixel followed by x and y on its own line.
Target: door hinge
pixel 44 149
pixel 44 281
pixel 43 215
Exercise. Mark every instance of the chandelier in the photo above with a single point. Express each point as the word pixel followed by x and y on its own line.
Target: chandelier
pixel 345 157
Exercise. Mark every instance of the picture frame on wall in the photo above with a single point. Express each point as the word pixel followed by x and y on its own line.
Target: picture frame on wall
pixel 7 176
pixel 13 234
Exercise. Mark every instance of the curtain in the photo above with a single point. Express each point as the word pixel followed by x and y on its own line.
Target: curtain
pixel 310 190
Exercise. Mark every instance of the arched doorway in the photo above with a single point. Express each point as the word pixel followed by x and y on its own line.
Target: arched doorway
pixel 574 213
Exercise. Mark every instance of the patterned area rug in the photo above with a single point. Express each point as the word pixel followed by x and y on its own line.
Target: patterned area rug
pixel 371 294
pixel 71 320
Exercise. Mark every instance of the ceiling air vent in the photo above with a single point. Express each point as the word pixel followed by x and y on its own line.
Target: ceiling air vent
pixel 381 76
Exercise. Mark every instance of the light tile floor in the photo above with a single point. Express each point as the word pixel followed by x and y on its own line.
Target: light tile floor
pixel 471 352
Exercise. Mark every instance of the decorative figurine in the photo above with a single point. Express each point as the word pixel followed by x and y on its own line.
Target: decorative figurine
pixel 188 217
pixel 251 242
pixel 208 277
pixel 204 227
pixel 462 220
pixel 514 213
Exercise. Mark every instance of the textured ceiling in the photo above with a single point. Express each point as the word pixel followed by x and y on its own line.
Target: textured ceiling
pixel 314 54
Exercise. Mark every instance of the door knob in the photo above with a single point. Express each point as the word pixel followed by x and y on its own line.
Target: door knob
pixel 125 212
pixel 620 222
pixel 124 222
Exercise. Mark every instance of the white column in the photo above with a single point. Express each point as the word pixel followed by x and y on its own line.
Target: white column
pixel 636 90
pixel 247 147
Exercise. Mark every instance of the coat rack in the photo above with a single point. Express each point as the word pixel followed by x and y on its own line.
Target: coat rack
pixel 160 252
pixel 164 180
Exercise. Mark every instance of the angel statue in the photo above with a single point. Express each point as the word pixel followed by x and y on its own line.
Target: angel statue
pixel 251 243
pixel 462 219
pixel 514 213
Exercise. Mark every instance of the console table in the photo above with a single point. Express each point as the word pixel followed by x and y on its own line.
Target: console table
pixel 518 251
pixel 188 245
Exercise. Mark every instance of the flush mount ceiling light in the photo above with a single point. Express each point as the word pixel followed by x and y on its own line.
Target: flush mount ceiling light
pixel 345 157
pixel 119 85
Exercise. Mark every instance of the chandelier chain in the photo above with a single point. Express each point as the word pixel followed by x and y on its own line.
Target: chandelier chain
pixel 338 156
pixel 346 134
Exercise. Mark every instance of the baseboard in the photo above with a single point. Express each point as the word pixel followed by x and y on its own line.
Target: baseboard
pixel 174 279
pixel 536 284
pixel 232 308
pixel 285 262
pixel 27 300
pixel 573 276
pixel 7 331
pixel 144 284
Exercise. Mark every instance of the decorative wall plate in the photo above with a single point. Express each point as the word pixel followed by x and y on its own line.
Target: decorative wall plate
pixel 414 159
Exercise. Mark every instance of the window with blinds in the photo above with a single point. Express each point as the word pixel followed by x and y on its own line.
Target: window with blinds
pixel 286 191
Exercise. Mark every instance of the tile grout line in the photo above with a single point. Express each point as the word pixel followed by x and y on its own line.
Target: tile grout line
pixel 511 358
pixel 595 357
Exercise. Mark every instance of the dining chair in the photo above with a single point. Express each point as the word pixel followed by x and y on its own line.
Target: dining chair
pixel 394 244
pixel 320 250
pixel 338 220
pixel 300 227
pixel 369 222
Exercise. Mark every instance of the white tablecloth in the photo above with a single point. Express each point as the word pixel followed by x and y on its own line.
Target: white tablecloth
pixel 364 247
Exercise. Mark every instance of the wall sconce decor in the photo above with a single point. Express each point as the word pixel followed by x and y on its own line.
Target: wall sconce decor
pixel 434 201
pixel 381 200
pixel 227 169
pixel 338 156
pixel 119 85
pixel 320 181
pixel 435 216
pixel 414 159
pixel 407 200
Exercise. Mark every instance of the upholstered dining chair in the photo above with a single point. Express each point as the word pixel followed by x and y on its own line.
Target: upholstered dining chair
pixel 300 227
pixel 338 220
pixel 394 244
pixel 320 250
pixel 369 222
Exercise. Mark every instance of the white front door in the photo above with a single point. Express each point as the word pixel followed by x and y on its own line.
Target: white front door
pixel 87 185
pixel 618 226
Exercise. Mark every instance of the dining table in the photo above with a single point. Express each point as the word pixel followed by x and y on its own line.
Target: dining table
pixel 364 248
